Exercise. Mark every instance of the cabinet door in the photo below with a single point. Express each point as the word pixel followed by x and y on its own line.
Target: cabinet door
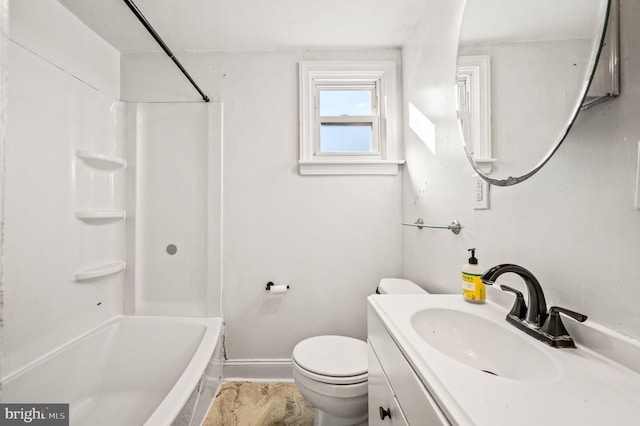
pixel 384 409
pixel 418 406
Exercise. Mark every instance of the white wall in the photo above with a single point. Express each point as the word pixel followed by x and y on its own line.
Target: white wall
pixel 573 224
pixel 50 31
pixel 61 90
pixel 330 238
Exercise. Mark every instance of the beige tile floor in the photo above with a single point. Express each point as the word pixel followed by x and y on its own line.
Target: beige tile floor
pixel 259 404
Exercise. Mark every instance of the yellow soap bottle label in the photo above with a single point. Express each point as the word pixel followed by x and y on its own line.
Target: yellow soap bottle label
pixel 473 288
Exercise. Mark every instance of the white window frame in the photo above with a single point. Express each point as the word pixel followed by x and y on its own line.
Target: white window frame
pixel 380 78
pixel 473 81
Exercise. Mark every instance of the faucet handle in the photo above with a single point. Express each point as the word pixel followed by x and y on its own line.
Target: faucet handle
pixel 575 315
pixel 554 326
pixel 519 309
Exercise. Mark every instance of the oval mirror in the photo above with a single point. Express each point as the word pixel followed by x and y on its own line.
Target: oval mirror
pixel 524 68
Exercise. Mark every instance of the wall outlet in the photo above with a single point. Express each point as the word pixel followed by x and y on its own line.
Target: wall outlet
pixel 481 193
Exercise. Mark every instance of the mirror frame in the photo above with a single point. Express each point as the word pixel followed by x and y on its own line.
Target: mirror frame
pixel 611 20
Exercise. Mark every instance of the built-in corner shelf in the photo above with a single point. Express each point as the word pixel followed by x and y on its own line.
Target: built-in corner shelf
pixel 96 216
pixel 101 161
pixel 100 271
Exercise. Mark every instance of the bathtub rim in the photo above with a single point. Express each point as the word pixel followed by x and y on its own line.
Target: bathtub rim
pixel 175 400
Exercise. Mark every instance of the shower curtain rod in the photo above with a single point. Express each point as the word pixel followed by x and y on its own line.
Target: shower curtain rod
pixel 162 44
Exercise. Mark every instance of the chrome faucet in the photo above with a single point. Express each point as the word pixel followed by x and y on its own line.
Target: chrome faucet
pixel 534 320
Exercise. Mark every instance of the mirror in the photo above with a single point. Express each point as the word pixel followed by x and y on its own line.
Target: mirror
pixel 524 68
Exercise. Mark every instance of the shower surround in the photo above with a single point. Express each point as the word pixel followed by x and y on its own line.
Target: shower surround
pixel 95 191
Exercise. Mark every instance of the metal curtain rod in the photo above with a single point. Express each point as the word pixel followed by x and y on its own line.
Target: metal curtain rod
pixel 162 44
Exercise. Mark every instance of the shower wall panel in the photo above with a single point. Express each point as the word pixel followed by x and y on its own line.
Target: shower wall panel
pixel 176 209
pixel 48 187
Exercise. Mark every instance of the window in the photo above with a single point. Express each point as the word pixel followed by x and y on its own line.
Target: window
pixel 473 82
pixel 348 118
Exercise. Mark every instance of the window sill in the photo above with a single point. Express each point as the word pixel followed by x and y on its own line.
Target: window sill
pixel 346 167
pixel 485 164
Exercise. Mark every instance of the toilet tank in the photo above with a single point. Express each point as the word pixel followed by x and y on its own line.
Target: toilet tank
pixel 399 286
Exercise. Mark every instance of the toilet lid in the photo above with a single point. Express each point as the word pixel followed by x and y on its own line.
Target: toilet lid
pixel 337 356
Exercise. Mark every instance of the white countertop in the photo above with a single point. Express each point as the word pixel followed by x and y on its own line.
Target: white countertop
pixel 585 388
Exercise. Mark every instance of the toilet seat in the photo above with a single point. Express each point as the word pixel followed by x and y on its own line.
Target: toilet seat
pixel 332 359
pixel 329 380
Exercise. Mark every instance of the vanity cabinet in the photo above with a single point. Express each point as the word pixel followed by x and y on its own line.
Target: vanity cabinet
pixel 396 394
pixel 435 350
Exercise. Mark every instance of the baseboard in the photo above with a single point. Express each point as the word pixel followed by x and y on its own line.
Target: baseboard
pixel 268 370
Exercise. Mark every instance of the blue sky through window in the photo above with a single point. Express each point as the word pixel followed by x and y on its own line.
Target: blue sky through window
pixel 345 138
pixel 341 102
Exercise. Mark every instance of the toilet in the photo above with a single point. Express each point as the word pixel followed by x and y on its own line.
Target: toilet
pixel 331 371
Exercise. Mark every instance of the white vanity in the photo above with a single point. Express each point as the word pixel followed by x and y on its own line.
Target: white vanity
pixel 391 380
pixel 436 360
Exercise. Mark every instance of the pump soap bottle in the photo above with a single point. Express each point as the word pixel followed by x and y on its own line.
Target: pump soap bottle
pixel 473 289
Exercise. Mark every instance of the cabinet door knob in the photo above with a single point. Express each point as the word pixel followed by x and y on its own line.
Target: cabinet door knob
pixel 385 413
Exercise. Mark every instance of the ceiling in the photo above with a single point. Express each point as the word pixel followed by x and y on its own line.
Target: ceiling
pixel 251 25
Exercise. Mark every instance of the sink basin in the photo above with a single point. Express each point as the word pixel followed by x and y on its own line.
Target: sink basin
pixel 484 345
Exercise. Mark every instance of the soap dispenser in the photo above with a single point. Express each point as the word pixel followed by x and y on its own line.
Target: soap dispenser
pixel 473 289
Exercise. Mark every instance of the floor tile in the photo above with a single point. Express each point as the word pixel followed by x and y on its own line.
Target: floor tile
pixel 259 404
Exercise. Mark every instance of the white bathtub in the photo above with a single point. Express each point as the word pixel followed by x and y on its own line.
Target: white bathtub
pixel 130 371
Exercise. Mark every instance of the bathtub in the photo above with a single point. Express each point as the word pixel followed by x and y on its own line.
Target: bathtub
pixel 129 371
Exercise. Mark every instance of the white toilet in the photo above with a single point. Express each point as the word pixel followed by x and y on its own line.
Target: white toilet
pixel 331 371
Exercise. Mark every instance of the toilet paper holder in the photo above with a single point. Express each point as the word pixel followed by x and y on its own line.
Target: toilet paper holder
pixel 270 284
